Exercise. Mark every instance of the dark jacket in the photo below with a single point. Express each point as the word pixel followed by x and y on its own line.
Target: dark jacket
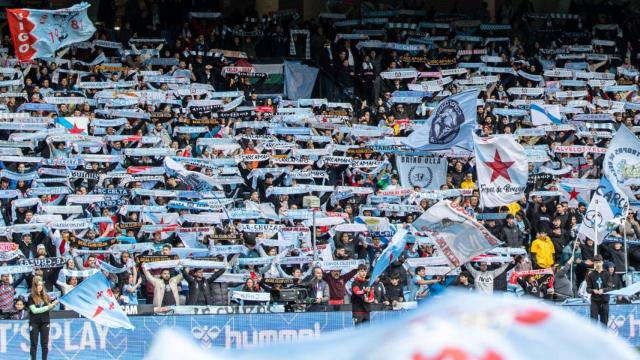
pixel 599 280
pixel 200 288
pixel 511 235
pixel 337 289
pixel 361 300
pixel 562 283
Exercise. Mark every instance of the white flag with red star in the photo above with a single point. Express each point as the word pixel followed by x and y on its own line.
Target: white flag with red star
pixel 94 300
pixel 502 167
pixel 76 125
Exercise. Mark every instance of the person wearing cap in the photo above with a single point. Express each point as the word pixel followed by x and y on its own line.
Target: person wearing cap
pixel 542 251
pixel 337 285
pixel 599 282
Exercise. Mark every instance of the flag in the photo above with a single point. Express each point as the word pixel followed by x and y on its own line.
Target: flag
pixel 197 181
pixel 393 251
pixel 37 34
pixel 502 168
pixel 451 125
pixel 460 326
pixel 456 233
pixel 78 125
pixel 94 300
pixel 545 114
pixel 164 223
pixel 608 208
pixel 622 160
pixel 427 172
pixel 574 195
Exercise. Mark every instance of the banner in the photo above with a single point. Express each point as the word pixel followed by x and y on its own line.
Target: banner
pixel 458 235
pixel 622 159
pixel 502 168
pixel 46 263
pixel 38 34
pixel 451 125
pixel 426 172
pixel 251 296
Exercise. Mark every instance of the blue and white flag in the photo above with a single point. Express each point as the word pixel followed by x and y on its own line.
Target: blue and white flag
pixel 392 252
pixel 622 160
pixel 608 209
pixel 77 125
pixel 456 326
pixel 38 34
pixel 574 195
pixel 451 125
pixel 502 167
pixel 545 114
pixel 456 233
pixel 94 300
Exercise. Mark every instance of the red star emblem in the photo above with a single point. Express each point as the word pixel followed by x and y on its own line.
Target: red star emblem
pixel 75 129
pixel 573 194
pixel 499 167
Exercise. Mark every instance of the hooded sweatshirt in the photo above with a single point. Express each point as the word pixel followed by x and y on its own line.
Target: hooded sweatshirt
pixel 543 249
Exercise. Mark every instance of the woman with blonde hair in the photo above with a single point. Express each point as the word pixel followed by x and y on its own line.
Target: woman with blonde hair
pixel 39 306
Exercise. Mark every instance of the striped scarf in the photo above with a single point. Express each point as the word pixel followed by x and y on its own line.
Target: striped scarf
pixel 292 43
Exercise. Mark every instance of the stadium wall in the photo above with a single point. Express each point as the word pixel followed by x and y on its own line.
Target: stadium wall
pixel 82 339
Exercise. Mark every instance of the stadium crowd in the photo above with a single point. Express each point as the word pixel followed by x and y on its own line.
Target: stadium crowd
pixel 163 158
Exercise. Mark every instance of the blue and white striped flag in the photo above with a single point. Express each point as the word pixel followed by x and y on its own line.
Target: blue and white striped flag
pixel 545 114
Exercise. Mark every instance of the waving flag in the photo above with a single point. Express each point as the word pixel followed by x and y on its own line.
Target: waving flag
pixel 94 300
pixel 457 326
pixel 502 167
pixel 545 114
pixel 78 125
pixel 451 125
pixel 390 253
pixel 608 208
pixel 574 195
pixel 622 160
pixel 38 34
pixel 458 235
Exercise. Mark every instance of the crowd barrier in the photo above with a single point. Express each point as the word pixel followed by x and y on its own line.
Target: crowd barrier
pixel 73 338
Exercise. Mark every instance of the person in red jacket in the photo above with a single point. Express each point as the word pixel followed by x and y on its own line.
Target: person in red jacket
pixel 361 297
pixel 337 282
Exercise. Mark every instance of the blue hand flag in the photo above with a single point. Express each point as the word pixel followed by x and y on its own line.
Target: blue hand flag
pixel 94 300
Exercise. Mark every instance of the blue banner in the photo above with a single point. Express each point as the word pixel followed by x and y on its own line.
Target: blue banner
pixel 83 339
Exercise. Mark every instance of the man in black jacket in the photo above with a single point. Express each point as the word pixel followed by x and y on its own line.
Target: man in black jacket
pixel 511 234
pixel 361 297
pixel 199 287
pixel 598 283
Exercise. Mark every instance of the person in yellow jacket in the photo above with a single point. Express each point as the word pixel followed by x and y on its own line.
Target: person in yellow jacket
pixel 468 182
pixel 542 251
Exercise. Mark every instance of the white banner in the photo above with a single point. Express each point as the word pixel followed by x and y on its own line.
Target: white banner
pixel 427 172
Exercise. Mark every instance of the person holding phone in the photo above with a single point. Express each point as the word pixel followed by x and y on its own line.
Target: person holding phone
pixel 39 306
